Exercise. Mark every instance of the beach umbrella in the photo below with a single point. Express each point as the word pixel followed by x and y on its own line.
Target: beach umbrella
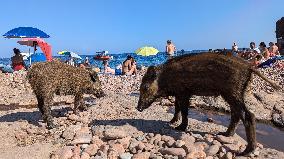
pixel 33 42
pixel 25 32
pixel 69 53
pixel 146 51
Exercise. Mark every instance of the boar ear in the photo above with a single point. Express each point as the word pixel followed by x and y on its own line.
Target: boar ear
pixel 93 75
pixel 152 72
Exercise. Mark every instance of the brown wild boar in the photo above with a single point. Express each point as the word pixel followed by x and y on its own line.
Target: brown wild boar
pixel 51 78
pixel 205 74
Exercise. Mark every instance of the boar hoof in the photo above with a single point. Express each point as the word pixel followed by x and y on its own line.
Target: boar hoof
pixel 247 152
pixel 83 107
pixel 174 122
pixel 181 128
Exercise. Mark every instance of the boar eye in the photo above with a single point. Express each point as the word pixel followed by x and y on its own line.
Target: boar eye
pixel 147 86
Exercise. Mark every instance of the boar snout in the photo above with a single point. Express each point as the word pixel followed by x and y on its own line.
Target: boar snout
pixel 140 107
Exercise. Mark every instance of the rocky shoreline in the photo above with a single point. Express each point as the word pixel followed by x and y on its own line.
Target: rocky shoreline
pixel 112 128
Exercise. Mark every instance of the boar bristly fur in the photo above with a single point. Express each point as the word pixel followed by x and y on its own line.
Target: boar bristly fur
pixel 50 78
pixel 205 74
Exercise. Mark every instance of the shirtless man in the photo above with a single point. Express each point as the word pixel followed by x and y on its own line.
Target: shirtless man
pixel 273 49
pixel 170 49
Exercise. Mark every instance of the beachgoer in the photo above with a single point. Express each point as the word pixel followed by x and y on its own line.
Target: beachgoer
pixel 107 69
pixel 256 61
pixel 264 51
pixel 273 49
pixel 170 49
pixel 17 60
pixel 70 61
pixel 87 62
pixel 129 66
pixel 235 49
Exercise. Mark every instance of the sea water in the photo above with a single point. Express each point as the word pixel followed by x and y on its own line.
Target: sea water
pixel 117 59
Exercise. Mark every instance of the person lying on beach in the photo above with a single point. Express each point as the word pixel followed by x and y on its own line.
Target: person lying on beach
pixel 18 62
pixel 107 69
pixel 129 66
pixel 256 61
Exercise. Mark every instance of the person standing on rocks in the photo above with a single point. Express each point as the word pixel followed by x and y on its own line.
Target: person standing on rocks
pixel 170 49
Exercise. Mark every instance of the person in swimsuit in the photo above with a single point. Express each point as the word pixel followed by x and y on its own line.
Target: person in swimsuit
pixel 273 49
pixel 264 51
pixel 129 66
pixel 170 49
pixel 17 60
pixel 107 69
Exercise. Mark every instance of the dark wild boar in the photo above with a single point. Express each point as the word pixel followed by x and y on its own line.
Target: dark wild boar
pixel 51 78
pixel 205 74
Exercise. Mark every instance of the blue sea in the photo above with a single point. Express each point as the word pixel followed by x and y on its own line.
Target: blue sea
pixel 119 58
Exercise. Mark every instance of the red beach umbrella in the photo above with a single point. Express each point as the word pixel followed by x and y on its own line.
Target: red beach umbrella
pixel 44 46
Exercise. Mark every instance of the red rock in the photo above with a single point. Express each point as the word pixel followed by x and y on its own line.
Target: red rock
pixel 112 155
pixel 197 154
pixel 96 140
pixel 214 149
pixel 92 149
pixel 189 148
pixel 85 155
pixel 76 157
pixel 232 147
pixel 65 153
pixel 124 141
pixel 104 148
pixel 73 117
pixel 187 138
pixel 224 139
pixel 113 133
pixel 173 151
pixel 166 138
pixel 77 150
pixel 143 155
pixel 118 148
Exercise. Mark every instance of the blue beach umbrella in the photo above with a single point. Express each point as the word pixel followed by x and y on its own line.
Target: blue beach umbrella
pixel 25 32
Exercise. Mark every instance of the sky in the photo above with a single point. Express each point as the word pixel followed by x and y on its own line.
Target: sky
pixel 122 26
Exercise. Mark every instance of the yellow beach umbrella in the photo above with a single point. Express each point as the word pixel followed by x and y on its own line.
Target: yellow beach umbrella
pixel 146 51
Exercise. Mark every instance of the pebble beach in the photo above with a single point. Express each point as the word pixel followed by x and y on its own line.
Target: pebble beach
pixel 113 128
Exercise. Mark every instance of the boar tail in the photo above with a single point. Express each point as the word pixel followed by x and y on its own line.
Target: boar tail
pixel 274 85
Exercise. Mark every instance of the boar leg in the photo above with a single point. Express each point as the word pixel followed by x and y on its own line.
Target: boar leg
pixel 47 117
pixel 79 103
pixel 177 114
pixel 235 118
pixel 248 119
pixel 40 103
pixel 183 102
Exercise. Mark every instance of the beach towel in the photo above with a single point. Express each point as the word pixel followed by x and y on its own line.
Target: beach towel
pixel 268 63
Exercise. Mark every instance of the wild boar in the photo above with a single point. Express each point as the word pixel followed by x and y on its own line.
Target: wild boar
pixel 49 78
pixel 205 74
